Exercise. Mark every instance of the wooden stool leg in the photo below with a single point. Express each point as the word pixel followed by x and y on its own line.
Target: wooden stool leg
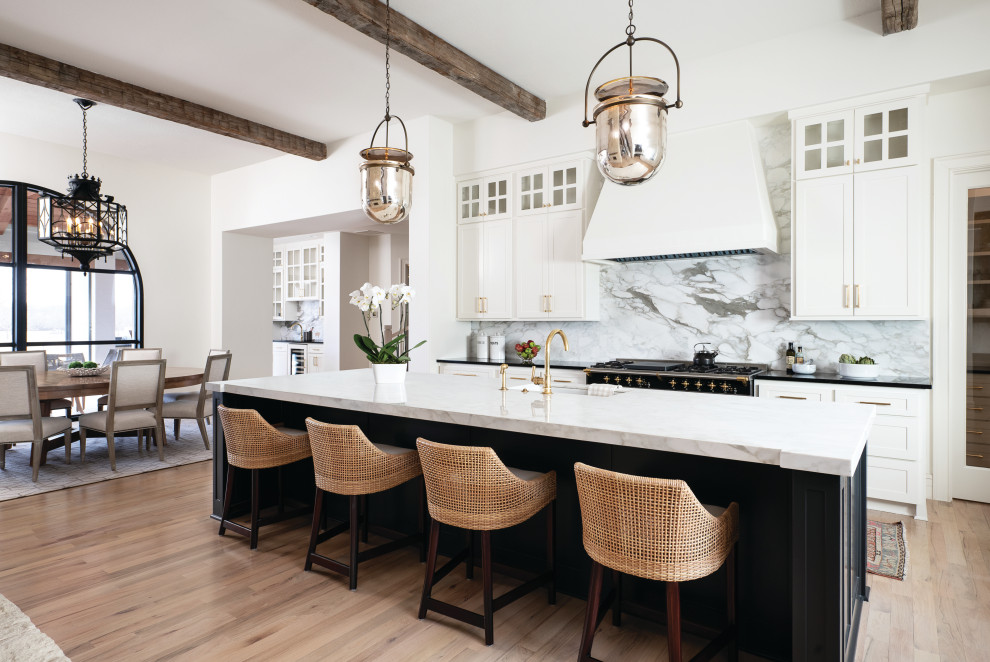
pixel 364 518
pixel 281 501
pixel 422 519
pixel 315 532
pixel 228 494
pixel 617 605
pixel 730 592
pixel 255 499
pixel 591 612
pixel 469 571
pixel 355 540
pixel 673 622
pixel 431 566
pixel 551 552
pixel 486 570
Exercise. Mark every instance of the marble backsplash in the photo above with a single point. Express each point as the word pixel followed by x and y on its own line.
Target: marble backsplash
pixel 739 304
pixel 306 313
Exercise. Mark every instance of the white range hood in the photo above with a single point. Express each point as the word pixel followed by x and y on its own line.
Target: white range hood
pixel 710 198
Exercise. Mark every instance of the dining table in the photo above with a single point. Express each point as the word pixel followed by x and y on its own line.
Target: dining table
pixel 58 384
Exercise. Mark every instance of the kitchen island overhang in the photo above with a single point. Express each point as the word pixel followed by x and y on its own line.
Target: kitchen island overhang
pixel 798 473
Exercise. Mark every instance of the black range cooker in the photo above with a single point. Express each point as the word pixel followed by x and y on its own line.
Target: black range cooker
pixel 723 378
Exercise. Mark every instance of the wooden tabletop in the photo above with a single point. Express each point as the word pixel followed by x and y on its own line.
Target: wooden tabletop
pixel 56 384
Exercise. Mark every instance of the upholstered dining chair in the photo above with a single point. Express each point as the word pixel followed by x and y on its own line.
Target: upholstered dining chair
pixel 39 359
pixel 134 404
pixel 197 405
pixel 132 354
pixel 20 415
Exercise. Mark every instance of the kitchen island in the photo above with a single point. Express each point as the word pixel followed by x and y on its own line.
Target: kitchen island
pixel 797 472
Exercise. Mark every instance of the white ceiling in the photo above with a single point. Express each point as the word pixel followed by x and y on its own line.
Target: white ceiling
pixel 286 64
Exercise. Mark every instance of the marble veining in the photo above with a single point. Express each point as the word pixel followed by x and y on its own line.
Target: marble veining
pixel 306 313
pixel 740 304
pixel 821 437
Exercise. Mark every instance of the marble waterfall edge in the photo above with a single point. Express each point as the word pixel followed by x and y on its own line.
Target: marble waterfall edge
pixel 740 304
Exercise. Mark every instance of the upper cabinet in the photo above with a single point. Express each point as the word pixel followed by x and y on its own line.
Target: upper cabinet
pixel 484 199
pixel 519 243
pixel 278 286
pixel 302 271
pixel 823 145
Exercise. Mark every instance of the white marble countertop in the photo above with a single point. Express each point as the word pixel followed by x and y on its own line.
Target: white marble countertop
pixel 808 436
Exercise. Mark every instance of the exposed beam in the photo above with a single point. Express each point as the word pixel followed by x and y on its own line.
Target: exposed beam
pixel 899 15
pixel 39 70
pixel 415 41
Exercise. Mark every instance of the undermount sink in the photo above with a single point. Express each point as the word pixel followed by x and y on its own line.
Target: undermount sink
pixel 536 388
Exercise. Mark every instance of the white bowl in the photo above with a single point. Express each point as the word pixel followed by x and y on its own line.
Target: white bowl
pixel 804 368
pixel 859 371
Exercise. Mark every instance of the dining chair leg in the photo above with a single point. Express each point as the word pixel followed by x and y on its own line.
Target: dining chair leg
pixel 147 439
pixel 202 431
pixel 140 438
pixel 355 540
pixel 113 456
pixel 255 498
pixel 176 424
pixel 36 460
pixel 314 533
pixel 160 440
pixel 82 444
pixel 68 447
pixel 431 566
pixel 3 456
pixel 673 622
pixel 591 612
pixel 486 570
pixel 228 494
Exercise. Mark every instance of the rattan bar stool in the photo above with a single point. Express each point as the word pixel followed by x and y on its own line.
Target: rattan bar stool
pixel 348 463
pixel 655 529
pixel 468 487
pixel 253 443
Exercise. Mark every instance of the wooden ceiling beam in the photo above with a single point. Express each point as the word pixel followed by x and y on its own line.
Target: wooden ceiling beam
pixel 39 70
pixel 899 15
pixel 426 48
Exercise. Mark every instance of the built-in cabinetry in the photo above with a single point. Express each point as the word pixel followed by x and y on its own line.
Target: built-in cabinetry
pixel 297 359
pixel 280 359
pixel 298 274
pixel 519 242
pixel 859 230
pixel 278 286
pixel 514 375
pixel 897 448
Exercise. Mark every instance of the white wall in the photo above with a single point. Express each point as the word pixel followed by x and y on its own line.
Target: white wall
pixel 250 343
pixel 354 268
pixel 168 231
pixel 957 122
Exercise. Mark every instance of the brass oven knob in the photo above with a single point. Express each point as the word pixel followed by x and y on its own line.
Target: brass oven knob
pixel 639 381
pixel 685 383
pixel 711 386
pixel 698 385
pixel 725 388
pixel 673 383
pixel 607 379
pixel 629 380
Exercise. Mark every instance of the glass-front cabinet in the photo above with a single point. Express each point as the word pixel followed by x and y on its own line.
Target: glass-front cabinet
pixel 978 330
pixel 278 286
pixel 553 188
pixel 488 199
pixel 824 145
pixel 886 136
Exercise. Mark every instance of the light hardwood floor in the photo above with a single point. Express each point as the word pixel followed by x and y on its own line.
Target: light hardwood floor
pixel 132 569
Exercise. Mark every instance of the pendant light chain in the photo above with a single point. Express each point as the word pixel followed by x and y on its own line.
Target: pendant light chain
pixel 630 40
pixel 632 28
pixel 388 43
pixel 85 145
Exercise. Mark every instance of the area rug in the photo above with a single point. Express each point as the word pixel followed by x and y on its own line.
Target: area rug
pixel 21 641
pixel 15 480
pixel 886 551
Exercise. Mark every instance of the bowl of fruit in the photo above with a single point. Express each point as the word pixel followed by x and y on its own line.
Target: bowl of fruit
pixel 85 369
pixel 862 368
pixel 527 351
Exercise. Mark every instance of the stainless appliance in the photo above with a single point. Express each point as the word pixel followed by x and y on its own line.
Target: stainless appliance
pixel 722 378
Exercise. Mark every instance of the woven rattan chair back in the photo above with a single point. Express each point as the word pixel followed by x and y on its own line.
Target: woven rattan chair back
pixel 139 353
pixel 469 487
pixel 651 527
pixel 253 443
pixel 346 462
pixel 19 395
pixel 38 359
pixel 217 370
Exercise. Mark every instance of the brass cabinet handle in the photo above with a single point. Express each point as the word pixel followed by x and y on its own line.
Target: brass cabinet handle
pixel 845 296
pixel 857 161
pixel 550 305
pixel 974 432
pixel 521 378
pixel 878 404
pixel 791 397
pixel 847 161
pixel 978 388
pixel 974 455
pixel 975 408
pixel 564 381
pixel 857 302
pixel 465 374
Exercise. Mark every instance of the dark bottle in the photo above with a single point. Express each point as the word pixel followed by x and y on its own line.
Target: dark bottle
pixel 790 358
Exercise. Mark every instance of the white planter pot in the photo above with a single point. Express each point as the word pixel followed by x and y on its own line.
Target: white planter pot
pixel 389 373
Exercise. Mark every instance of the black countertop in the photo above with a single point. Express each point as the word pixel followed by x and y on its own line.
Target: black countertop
pixel 835 378
pixel 301 342
pixel 515 362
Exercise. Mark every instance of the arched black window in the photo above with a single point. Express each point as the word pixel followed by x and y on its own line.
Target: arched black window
pixel 48 302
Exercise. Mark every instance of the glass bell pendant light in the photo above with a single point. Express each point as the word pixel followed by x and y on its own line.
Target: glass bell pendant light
pixel 83 223
pixel 631 118
pixel 386 174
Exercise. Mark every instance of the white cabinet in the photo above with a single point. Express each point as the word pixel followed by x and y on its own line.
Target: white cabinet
pixel 484 270
pixel 887 135
pixel 278 286
pixel 823 145
pixel 280 359
pixel 484 199
pixel 302 271
pixel 314 359
pixel 897 448
pixel 468 370
pixel 551 280
pixel 558 376
pixel 558 186
pixel 857 246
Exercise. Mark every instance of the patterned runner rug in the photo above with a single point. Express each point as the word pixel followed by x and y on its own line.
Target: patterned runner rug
pixel 886 550
pixel 21 641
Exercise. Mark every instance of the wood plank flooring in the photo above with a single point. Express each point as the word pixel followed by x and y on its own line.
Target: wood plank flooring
pixel 133 569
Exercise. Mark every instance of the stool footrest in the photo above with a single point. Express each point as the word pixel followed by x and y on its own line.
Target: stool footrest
pixel 458 558
pixel 514 594
pixel 715 645
pixel 463 615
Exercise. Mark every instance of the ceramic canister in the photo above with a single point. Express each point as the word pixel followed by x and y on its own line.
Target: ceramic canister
pixel 481 347
pixel 496 348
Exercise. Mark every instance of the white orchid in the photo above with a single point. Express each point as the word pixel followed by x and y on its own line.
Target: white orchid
pixel 400 294
pixel 370 299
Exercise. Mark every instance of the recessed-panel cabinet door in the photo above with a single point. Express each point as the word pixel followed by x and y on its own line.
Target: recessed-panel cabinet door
pixel 529 236
pixel 887 264
pixel 469 270
pixel 565 267
pixel 497 269
pixel 823 247
pixel 823 145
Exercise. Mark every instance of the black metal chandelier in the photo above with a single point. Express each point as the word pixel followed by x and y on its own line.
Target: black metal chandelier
pixel 387 172
pixel 83 223
pixel 631 118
